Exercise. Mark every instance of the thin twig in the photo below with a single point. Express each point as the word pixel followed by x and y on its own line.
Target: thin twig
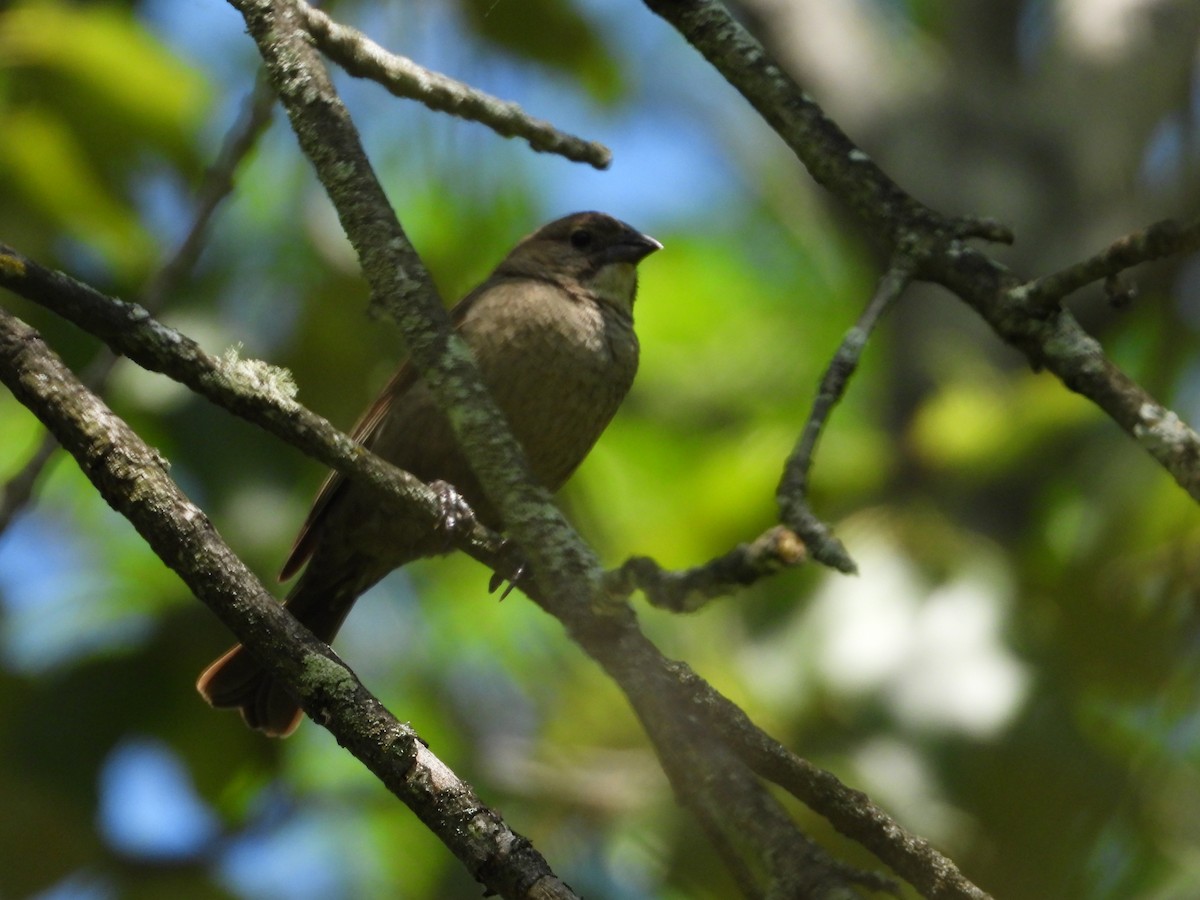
pixel 18 490
pixel 1157 241
pixel 687 590
pixel 216 185
pixel 792 492
pixel 363 58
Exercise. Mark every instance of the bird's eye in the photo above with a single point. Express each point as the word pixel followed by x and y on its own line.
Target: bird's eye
pixel 581 238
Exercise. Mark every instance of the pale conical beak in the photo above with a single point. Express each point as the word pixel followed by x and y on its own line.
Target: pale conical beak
pixel 633 248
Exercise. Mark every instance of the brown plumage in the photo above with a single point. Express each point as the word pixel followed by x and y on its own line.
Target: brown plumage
pixel 552 332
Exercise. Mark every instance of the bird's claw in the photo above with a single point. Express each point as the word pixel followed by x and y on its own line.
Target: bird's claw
pixel 514 571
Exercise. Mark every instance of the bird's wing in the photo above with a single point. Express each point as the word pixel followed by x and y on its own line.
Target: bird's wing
pixel 401 381
pixel 305 543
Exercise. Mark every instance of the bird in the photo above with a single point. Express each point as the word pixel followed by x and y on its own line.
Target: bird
pixel 551 330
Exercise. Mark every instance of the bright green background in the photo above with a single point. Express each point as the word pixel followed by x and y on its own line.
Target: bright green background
pixel 1014 672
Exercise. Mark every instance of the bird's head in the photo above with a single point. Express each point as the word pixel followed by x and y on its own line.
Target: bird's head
pixel 588 249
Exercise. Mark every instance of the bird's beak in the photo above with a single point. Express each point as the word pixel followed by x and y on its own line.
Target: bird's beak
pixel 633 248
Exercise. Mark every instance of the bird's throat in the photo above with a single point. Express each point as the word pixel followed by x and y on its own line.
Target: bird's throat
pixel 616 284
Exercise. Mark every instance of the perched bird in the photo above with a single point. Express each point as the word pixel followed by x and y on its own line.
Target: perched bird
pixel 551 330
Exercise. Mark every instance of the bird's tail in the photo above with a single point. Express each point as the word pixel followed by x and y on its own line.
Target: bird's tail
pixel 238 681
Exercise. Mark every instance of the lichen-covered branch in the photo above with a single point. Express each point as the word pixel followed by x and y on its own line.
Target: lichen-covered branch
pixel 363 58
pixel 133 479
pixel 1053 340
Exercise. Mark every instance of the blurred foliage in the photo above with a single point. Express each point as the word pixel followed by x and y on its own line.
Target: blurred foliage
pixel 87 94
pixel 1014 673
pixel 562 39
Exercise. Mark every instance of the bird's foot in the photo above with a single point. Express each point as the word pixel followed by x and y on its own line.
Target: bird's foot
pixel 455 516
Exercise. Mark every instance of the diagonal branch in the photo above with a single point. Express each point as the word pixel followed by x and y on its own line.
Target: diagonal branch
pixel 833 160
pixel 363 58
pixel 132 478
pixel 850 811
pixel 828 154
pixel 853 814
pixel 1054 340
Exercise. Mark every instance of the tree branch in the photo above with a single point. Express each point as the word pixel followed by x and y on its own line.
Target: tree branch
pixel 688 590
pixel 832 159
pixel 1057 342
pixel 792 492
pixel 1157 241
pixel 132 478
pixel 361 57
pixel 1025 314
pixel 850 811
